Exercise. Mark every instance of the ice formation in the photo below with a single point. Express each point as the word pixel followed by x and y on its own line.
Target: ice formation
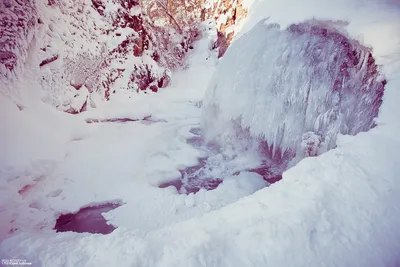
pixel 295 88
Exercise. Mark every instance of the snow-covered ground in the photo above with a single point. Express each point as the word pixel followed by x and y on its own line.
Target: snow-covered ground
pixel 337 209
pixel 78 164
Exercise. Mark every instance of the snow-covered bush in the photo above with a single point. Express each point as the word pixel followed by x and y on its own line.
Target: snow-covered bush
pixel 295 88
pixel 178 14
pixel 169 46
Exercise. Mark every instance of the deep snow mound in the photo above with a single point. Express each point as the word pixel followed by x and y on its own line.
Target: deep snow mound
pixel 295 88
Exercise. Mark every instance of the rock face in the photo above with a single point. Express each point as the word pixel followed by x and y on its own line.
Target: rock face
pixel 18 22
pixel 181 14
pixel 76 53
pixel 229 14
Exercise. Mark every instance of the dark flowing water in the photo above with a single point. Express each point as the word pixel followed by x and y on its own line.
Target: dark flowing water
pixel 146 120
pixel 193 178
pixel 86 220
pixel 192 186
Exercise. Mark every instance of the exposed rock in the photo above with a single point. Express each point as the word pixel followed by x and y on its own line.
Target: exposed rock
pixel 93 45
pixel 102 45
pixel 48 60
pixel 228 15
pixel 18 22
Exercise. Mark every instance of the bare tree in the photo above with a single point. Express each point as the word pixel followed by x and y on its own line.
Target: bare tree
pixel 166 10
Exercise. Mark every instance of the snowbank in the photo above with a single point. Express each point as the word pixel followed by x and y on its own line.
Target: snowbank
pixel 35 132
pixel 33 141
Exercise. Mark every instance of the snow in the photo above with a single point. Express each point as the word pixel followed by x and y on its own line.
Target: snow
pixel 77 164
pixel 75 55
pixel 222 19
pixel 38 123
pixel 337 209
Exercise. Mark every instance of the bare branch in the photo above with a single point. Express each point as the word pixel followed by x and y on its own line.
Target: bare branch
pixel 163 7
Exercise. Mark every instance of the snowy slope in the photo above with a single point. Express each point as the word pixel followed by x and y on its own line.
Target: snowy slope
pixel 76 54
pixel 337 209
pixel 104 160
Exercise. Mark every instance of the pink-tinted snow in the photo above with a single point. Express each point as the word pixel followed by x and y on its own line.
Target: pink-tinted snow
pixel 266 172
pixel 24 190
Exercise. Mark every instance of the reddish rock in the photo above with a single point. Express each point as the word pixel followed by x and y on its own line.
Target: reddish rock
pixel 48 60
pixel 99 6
pixel 235 12
pixel 16 32
pixel 8 59
pixel 166 45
